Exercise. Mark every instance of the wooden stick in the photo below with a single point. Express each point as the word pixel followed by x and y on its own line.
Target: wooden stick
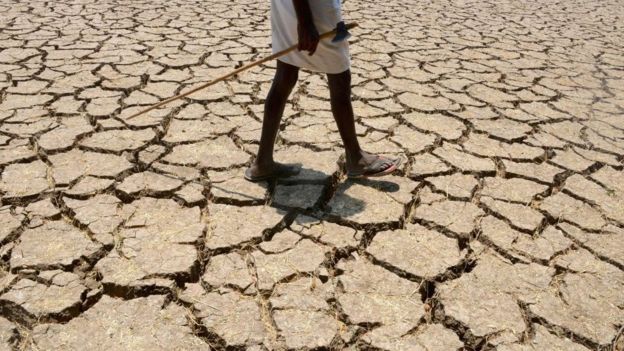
pixel 233 73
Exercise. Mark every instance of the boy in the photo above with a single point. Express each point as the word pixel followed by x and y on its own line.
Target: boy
pixel 302 20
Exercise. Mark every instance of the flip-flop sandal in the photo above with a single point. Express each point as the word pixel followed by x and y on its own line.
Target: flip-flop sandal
pixel 283 171
pixel 369 171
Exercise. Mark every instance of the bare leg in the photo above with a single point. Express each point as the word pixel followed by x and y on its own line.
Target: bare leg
pixel 285 79
pixel 358 160
pixel 340 94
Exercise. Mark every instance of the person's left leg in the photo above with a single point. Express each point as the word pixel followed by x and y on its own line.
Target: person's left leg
pixel 264 166
pixel 358 161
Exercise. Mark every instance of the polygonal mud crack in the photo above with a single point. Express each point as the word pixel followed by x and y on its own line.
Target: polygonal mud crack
pixel 236 318
pixel 302 315
pixel 31 301
pixel 113 323
pixel 226 229
pixel 487 293
pixel 373 295
pixel 304 257
pixel 156 241
pixel 54 244
pixel 416 250
pixel 372 201
pixel 581 302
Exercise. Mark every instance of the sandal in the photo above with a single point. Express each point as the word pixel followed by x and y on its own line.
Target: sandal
pixel 281 171
pixel 376 169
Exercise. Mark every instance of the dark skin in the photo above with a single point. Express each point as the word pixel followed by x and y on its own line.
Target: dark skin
pixel 308 35
pixel 340 95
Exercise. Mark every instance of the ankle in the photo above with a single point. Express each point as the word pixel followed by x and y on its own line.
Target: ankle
pixel 263 162
pixel 354 156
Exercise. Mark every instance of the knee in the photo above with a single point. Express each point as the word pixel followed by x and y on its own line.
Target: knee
pixel 283 85
pixel 289 79
pixel 343 78
pixel 286 77
pixel 340 84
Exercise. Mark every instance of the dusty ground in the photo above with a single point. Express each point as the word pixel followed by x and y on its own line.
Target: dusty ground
pixel 504 230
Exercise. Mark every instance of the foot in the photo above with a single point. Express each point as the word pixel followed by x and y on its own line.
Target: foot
pixel 257 172
pixel 370 165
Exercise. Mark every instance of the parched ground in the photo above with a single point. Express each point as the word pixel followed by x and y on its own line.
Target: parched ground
pixel 504 230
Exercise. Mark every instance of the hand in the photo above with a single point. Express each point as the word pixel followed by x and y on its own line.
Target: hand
pixel 308 38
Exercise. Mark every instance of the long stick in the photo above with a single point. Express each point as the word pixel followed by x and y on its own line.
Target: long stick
pixel 233 73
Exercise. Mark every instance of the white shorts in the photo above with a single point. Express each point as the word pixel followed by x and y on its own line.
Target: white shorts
pixel 329 57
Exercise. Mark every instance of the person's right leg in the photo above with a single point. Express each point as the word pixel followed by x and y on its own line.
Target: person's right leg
pixel 358 161
pixel 285 79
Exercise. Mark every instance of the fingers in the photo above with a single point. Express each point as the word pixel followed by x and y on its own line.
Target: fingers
pixel 308 45
pixel 302 45
pixel 313 45
pixel 305 44
pixel 308 40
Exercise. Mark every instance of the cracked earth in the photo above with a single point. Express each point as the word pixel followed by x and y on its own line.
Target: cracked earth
pixel 504 230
